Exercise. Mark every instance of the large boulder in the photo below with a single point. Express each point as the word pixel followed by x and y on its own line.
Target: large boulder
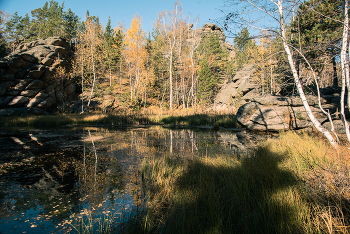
pixel 28 80
pixel 276 113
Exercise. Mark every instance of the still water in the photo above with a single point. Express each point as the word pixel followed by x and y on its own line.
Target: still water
pixel 52 179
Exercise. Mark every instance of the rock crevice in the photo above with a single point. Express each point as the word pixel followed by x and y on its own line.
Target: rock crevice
pixel 28 80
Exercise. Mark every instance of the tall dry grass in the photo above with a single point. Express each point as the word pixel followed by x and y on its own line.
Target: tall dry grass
pixel 294 184
pixel 125 117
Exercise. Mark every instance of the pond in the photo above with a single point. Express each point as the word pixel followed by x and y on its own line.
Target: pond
pixel 51 180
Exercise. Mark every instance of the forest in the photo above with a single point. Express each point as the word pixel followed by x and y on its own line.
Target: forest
pixel 175 66
pixel 182 66
pixel 193 178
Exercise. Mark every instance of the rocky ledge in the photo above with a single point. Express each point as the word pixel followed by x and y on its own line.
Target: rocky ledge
pixel 29 83
pixel 278 113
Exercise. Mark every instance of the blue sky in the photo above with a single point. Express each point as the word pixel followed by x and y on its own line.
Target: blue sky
pixel 124 10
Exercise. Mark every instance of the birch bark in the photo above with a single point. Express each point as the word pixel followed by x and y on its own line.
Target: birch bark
pixel 297 82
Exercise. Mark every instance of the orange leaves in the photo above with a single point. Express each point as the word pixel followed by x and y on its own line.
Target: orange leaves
pixel 135 51
pixel 135 55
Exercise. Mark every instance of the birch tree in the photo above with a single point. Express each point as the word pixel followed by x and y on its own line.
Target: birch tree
pixel 168 24
pixel 276 10
pixel 192 44
pixel 345 67
pixel 88 56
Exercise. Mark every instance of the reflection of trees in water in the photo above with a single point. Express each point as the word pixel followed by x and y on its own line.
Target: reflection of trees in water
pixel 99 175
pixel 64 171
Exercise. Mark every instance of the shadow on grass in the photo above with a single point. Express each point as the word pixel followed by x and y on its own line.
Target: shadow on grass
pixel 203 119
pixel 56 121
pixel 253 196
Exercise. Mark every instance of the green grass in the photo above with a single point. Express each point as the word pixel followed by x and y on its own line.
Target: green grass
pixel 290 185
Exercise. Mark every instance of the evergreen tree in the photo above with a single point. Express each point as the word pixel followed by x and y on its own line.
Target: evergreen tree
pixel 25 27
pixel 71 25
pixel 207 82
pixel 112 49
pixel 3 44
pixel 155 46
pixel 319 30
pixel 243 45
pixel 48 21
pixel 13 30
pixel 55 20
pixel 213 57
pixel 39 22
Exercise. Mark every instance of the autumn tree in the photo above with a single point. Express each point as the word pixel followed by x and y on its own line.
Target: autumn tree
pixel 168 25
pixel 135 56
pixel 88 56
pixel 192 44
pixel 156 47
pixel 264 57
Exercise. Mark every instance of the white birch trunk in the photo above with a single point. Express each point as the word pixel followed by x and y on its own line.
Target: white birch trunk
pixel 345 69
pixel 82 83
pixel 93 71
pixel 315 122
pixel 171 78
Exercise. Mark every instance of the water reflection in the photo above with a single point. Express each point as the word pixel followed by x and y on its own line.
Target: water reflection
pixel 50 178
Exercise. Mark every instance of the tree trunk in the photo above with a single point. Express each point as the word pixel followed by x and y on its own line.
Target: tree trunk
pixel 344 69
pixel 297 82
pixel 82 83
pixel 335 76
pixel 94 80
pixel 171 79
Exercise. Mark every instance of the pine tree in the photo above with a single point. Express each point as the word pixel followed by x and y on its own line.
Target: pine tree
pixel 38 25
pixel 318 30
pixel 213 57
pixel 14 30
pixel 243 45
pixel 111 49
pixel 71 25
pixel 207 82
pixel 3 44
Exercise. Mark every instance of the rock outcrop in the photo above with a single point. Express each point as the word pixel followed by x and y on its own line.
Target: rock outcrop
pixel 238 91
pixel 213 28
pixel 276 113
pixel 28 80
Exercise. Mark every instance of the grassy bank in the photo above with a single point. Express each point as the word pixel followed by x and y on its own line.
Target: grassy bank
pixel 54 121
pixel 118 119
pixel 295 184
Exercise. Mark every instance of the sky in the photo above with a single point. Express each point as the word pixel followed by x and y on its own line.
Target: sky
pixel 207 11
